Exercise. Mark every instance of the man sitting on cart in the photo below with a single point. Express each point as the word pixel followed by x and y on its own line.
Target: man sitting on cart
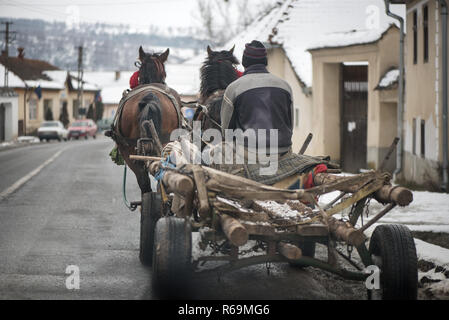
pixel 261 101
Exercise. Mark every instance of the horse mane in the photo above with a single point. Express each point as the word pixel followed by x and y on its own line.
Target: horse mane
pixel 216 75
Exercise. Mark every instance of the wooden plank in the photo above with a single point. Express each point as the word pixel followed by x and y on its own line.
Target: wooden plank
pixel 365 191
pixel 200 183
pixel 344 231
pixel 400 195
pixel 312 230
pixel 306 143
pixel 234 230
pixel 144 158
pixel 259 229
pixel 289 251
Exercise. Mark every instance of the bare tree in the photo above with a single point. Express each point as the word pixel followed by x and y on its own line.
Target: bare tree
pixel 221 20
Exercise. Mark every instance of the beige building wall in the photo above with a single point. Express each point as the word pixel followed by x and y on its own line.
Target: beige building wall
pixel 319 108
pixel 380 56
pixel 423 98
pixel 109 110
pixel 303 124
pixel 56 96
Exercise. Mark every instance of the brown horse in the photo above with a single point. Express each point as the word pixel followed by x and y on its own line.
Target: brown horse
pixel 157 103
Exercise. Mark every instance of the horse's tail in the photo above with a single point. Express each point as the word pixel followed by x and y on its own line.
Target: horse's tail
pixel 150 109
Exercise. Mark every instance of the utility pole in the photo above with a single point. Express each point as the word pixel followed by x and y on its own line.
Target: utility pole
pixel 80 80
pixel 7 43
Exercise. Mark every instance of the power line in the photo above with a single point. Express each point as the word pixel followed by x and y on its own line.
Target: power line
pixel 7 43
pixel 94 4
pixel 80 81
pixel 63 15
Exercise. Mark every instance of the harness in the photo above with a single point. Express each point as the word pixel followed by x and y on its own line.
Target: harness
pixel 115 132
pixel 204 107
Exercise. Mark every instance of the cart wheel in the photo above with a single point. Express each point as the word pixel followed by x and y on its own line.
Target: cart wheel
pixel 393 250
pixel 308 250
pixel 172 258
pixel 150 213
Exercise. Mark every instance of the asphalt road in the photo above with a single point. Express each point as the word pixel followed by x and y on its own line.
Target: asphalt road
pixel 71 213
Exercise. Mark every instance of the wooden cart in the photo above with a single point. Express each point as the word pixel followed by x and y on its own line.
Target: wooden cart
pixel 236 216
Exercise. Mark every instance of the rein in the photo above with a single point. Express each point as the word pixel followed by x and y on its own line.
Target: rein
pixel 205 112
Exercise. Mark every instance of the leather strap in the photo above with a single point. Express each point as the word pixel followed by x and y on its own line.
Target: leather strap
pixel 128 94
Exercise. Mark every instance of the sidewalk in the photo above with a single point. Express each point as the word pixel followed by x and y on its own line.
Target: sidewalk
pixel 22 141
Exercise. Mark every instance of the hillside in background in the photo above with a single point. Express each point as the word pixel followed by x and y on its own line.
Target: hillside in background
pixel 106 47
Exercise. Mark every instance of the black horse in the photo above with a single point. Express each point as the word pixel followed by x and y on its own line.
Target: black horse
pixel 217 72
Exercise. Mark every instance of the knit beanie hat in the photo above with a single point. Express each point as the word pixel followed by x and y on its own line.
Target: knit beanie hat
pixel 255 53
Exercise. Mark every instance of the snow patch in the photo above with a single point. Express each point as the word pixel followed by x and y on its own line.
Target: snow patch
pixel 390 78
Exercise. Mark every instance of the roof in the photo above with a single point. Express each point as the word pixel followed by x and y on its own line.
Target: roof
pixel 7 92
pixel 184 78
pixel 297 25
pixel 389 80
pixel 29 73
pixel 351 38
pixel 13 80
pixel 27 69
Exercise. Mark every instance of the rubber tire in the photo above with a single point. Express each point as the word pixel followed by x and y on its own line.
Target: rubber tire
pixel 395 246
pixel 172 258
pixel 308 250
pixel 150 212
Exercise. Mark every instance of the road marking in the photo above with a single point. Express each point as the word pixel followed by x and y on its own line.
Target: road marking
pixel 24 179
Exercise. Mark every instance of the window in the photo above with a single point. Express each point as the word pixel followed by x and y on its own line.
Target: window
pixel 426 32
pixel 48 105
pixel 423 138
pixel 33 108
pixel 75 108
pixel 296 117
pixel 415 37
pixel 414 136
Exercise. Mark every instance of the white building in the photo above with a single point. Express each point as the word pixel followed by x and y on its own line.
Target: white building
pixel 9 114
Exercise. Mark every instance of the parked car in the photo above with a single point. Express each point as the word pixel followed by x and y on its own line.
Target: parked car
pixel 83 128
pixel 52 130
pixel 104 124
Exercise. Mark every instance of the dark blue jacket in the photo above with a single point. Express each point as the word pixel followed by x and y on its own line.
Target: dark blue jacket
pixel 259 100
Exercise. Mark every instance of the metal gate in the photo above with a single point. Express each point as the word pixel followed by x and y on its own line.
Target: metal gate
pixel 2 122
pixel 354 117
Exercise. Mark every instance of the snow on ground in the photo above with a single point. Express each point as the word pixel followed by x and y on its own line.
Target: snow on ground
pixel 6 144
pixel 432 253
pixel 30 139
pixel 429 212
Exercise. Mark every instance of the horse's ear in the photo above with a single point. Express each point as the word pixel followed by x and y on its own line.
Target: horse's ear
pixel 209 50
pixel 163 57
pixel 232 50
pixel 141 54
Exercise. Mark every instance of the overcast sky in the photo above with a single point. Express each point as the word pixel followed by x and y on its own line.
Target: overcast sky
pixel 138 13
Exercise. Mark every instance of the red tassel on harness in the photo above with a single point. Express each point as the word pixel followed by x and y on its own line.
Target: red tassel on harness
pixel 134 80
pixel 318 169
pixel 239 73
